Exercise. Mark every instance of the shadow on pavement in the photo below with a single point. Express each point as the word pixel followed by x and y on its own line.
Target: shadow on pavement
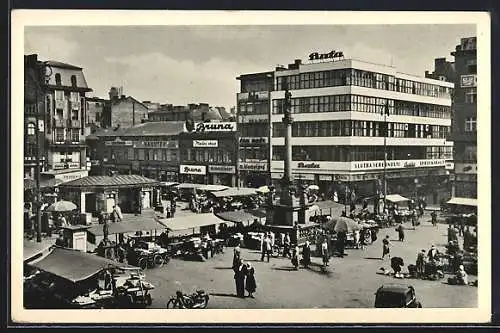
pixel 290 269
pixel 223 268
pixel 224 295
pixel 318 268
pixel 373 258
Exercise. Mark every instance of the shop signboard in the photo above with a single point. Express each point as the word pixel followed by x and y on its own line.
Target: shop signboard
pixel 173 144
pixel 255 166
pixel 118 142
pixel 205 143
pixel 325 178
pixel 465 168
pixel 222 169
pixel 468 81
pixel 253 140
pixel 193 169
pixel 210 127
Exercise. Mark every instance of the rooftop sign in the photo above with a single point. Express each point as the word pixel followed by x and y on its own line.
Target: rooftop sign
pixel 325 56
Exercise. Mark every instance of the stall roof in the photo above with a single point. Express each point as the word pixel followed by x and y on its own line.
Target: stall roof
pixel 189 186
pixel 169 184
pixel 110 181
pixel 73 265
pixel 191 221
pixel 235 192
pixel 212 188
pixel 33 249
pixel 132 224
pixel 246 215
pixel 396 198
pixel 31 184
pixel 462 201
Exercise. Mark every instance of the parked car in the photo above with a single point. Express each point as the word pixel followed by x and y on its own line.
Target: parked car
pixel 396 296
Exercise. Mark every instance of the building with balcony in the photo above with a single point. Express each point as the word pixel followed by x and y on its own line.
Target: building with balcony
pixel 347 114
pixel 253 116
pixel 60 90
pixel 464 125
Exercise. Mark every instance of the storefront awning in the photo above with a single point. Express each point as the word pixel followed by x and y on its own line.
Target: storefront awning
pixel 246 215
pixel 329 207
pixel 132 224
pixel 462 201
pixel 235 192
pixel 73 265
pixel 191 221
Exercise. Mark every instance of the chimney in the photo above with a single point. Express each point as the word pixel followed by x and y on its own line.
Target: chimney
pixel 298 62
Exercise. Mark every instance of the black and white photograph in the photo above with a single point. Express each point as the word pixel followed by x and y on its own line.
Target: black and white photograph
pixel 308 165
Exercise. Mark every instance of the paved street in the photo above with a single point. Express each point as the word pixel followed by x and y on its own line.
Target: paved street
pixel 349 283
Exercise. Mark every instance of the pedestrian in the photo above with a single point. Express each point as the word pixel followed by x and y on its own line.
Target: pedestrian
pixel 286 246
pixel 295 257
pixel 434 218
pixel 250 284
pixel 433 253
pixel 401 232
pixel 117 213
pixel 396 264
pixel 236 257
pixel 421 264
pixel 357 240
pixel 239 278
pixel 266 248
pixel 173 207
pixel 306 254
pixel 362 238
pixel 341 239
pixel 324 252
pixel 386 247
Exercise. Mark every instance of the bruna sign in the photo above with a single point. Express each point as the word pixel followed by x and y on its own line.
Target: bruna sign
pixel 193 169
pixel 323 56
pixel 212 127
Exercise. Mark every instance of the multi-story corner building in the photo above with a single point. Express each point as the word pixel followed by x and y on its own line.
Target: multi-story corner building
pixel 464 128
pixel 340 110
pixel 61 93
pixel 253 115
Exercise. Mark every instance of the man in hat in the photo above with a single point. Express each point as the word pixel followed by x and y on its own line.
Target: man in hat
pixel 421 263
pixel 433 253
pixel 266 247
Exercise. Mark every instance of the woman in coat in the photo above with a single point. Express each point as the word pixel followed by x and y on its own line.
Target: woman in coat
pixel 295 257
pixel 250 284
pixel 239 279
pixel 306 254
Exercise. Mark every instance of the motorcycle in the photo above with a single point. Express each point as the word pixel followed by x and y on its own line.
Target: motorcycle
pixel 197 300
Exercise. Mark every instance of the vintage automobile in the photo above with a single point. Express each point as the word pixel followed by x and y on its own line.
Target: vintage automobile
pixel 146 254
pixel 396 296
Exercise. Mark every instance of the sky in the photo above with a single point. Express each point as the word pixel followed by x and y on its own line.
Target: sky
pixel 199 64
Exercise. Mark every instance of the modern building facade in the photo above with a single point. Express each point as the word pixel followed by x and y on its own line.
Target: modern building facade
pixel 341 109
pixel 464 126
pixel 253 115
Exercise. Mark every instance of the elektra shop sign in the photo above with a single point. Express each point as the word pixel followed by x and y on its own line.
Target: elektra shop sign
pixel 193 169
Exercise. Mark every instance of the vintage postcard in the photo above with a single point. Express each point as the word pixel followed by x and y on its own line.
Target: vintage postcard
pixel 250 167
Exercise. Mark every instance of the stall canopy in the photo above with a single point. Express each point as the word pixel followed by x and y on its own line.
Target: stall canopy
pixel 328 207
pixel 462 202
pixel 31 184
pixel 213 188
pixel 191 221
pixel 34 249
pixel 235 192
pixel 110 182
pixel 168 184
pixel 73 265
pixel 396 198
pixel 131 224
pixel 186 186
pixel 246 215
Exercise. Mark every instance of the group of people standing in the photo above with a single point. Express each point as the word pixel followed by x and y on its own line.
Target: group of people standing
pixel 244 275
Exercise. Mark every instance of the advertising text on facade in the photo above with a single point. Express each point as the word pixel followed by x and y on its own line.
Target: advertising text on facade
pixel 467 81
pixel 205 143
pixel 253 166
pixel 193 169
pixel 215 127
pixel 253 140
pixel 324 56
pixel 222 169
